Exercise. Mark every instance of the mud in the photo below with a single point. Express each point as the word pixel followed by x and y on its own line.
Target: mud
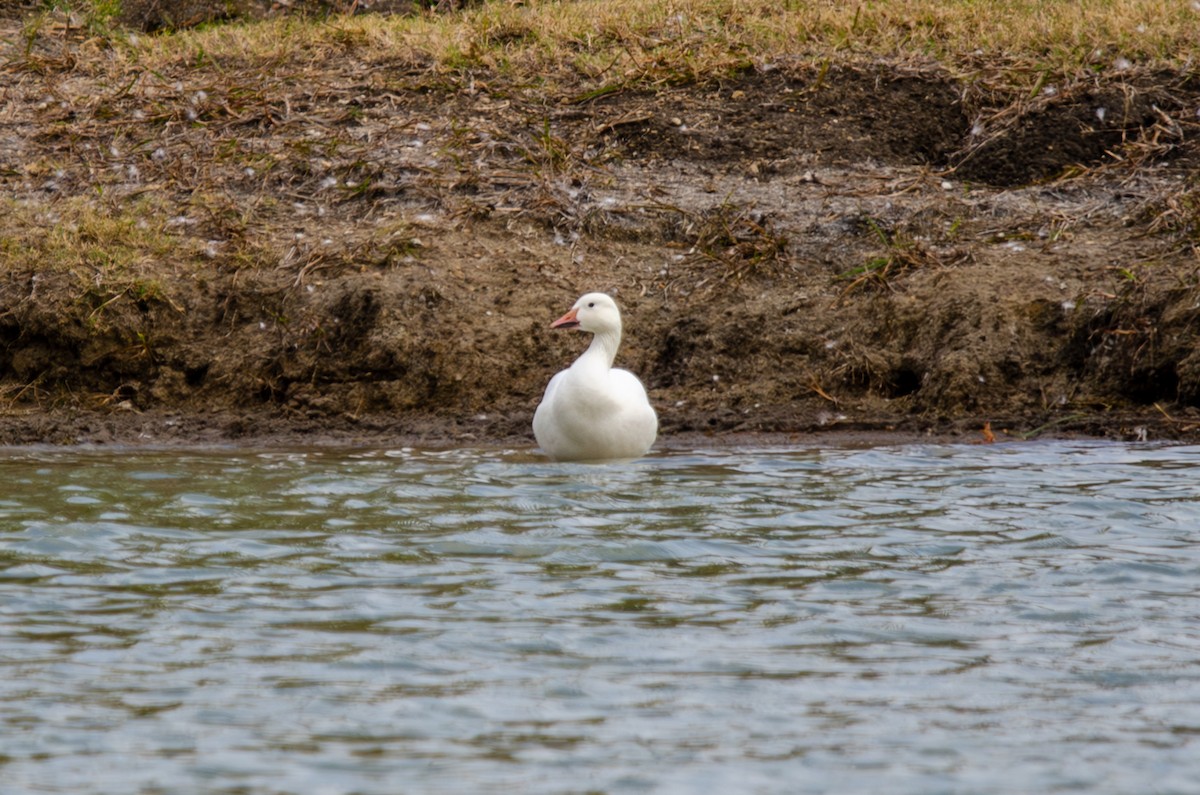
pixel 374 255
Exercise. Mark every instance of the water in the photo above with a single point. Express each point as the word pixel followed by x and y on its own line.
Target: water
pixel 1014 618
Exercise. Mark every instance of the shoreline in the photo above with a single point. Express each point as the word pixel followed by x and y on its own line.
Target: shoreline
pixel 172 430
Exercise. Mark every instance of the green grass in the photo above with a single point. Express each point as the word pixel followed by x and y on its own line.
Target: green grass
pixel 112 253
pixel 114 256
pixel 84 233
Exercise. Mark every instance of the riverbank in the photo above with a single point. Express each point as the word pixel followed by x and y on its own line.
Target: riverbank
pixel 360 227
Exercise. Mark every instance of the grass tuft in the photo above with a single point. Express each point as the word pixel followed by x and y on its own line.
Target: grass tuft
pixel 902 254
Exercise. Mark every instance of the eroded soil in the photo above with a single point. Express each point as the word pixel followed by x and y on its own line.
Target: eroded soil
pixel 375 253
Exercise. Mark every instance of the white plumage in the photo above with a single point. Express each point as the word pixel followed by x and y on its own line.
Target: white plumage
pixel 593 411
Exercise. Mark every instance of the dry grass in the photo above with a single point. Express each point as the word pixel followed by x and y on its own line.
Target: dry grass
pixel 652 41
pixel 1177 215
pixel 236 124
pixel 730 242
pixel 901 253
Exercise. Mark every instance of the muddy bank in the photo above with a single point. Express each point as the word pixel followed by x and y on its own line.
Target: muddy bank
pixel 373 250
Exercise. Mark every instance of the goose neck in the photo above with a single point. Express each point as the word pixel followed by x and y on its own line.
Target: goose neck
pixel 604 346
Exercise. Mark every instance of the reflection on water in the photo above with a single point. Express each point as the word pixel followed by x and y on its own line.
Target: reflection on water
pixel 1003 619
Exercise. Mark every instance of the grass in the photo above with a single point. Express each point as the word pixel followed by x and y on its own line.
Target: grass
pixel 620 42
pixel 1177 214
pixel 739 241
pixel 901 254
pixel 111 253
pixel 226 114
pixel 661 38
pixel 87 234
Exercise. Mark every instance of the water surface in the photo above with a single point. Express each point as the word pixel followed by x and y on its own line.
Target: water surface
pixel 1013 618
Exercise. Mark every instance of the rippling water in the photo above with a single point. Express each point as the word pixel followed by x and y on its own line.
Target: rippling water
pixel 1016 618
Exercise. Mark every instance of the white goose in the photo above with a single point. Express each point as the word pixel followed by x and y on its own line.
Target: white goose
pixel 593 411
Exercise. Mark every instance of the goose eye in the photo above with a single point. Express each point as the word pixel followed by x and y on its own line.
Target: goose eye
pixel 591 305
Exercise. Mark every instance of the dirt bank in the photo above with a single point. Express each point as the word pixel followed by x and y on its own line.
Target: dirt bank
pixel 371 249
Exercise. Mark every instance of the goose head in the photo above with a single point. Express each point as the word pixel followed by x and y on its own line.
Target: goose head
pixel 595 312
